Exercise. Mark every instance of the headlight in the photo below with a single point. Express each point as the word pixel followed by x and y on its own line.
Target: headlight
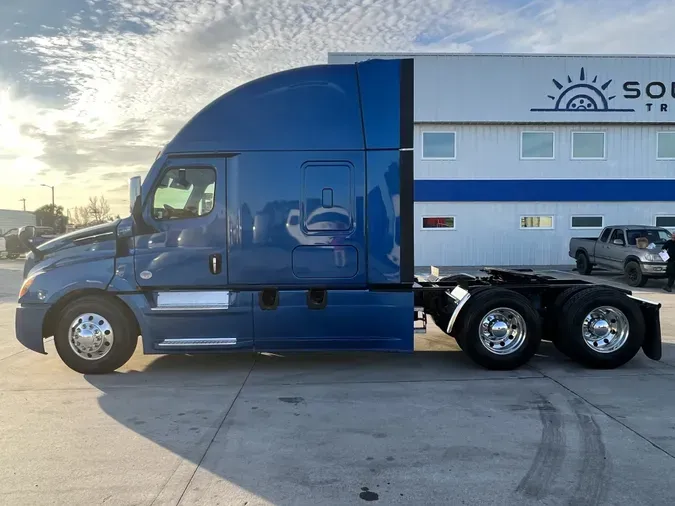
pixel 28 283
pixel 25 286
pixel 654 258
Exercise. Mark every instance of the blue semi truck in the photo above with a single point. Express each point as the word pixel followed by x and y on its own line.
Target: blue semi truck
pixel 280 218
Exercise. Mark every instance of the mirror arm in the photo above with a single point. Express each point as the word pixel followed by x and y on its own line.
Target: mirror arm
pixel 39 255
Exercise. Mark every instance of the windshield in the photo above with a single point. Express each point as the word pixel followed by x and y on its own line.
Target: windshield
pixel 654 235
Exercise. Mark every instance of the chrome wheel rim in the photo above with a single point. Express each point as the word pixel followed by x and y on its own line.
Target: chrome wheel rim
pixel 605 329
pixel 502 331
pixel 91 336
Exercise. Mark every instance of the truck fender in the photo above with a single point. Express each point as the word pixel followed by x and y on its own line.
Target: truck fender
pixel 632 258
pixel 583 250
pixel 49 286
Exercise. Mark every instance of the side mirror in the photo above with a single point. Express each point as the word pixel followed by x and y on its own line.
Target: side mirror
pixel 134 191
pixel 618 242
pixel 26 235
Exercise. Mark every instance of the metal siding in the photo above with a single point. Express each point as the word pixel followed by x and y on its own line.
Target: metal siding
pixel 10 219
pixel 490 234
pixel 489 88
pixel 493 151
pixel 486 100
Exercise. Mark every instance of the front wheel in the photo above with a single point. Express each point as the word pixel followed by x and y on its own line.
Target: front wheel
pixel 634 275
pixel 602 328
pixel 94 335
pixel 501 330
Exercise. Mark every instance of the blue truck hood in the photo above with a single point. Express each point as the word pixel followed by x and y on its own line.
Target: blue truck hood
pixel 95 233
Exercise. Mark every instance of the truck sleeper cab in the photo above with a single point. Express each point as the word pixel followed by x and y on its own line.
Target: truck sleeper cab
pixel 281 218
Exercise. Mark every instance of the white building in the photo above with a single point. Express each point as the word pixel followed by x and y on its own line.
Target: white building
pixel 516 154
pixel 10 219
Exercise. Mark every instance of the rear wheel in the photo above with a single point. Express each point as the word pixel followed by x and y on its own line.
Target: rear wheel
pixel 500 329
pixel 554 317
pixel 583 264
pixel 634 276
pixel 601 328
pixel 94 335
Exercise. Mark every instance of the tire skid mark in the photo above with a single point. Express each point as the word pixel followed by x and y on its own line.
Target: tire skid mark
pixel 550 455
pixel 592 483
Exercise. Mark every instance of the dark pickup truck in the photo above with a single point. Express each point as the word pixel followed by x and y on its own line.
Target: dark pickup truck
pixel 632 249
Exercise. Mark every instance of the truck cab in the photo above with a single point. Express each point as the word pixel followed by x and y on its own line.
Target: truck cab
pixel 270 222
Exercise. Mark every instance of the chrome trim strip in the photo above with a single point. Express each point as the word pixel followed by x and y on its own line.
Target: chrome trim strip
pixel 462 299
pixel 190 342
pixel 214 307
pixel 192 301
pixel 405 149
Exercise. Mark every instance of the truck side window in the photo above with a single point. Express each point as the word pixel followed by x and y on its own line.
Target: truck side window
pixel 605 235
pixel 618 234
pixel 184 193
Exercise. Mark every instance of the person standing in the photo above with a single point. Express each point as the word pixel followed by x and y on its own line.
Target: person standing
pixel 669 247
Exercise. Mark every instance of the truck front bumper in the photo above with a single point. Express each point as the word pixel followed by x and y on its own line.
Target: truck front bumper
pixel 654 269
pixel 28 326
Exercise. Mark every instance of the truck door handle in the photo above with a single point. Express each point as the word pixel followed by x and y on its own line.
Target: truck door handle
pixel 216 263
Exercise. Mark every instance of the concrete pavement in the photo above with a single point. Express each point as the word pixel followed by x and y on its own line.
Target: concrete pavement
pixel 301 429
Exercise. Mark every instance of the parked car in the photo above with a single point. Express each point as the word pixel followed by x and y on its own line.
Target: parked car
pixel 632 249
pixel 14 248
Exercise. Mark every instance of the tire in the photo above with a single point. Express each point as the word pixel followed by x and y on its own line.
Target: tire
pixel 554 317
pixel 500 302
pixel 634 276
pixel 601 355
pixel 583 264
pixel 117 324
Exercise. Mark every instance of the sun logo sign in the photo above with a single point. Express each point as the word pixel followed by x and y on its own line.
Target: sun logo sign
pixel 586 95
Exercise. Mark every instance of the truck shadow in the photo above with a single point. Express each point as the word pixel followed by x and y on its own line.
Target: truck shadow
pixel 325 425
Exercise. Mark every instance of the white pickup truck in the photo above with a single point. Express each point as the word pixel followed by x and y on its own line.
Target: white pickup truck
pixel 632 249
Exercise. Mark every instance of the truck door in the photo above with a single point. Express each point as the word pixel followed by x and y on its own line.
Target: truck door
pixel 602 248
pixel 616 253
pixel 180 259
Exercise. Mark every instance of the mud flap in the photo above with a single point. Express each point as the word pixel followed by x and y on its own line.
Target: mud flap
pixel 652 342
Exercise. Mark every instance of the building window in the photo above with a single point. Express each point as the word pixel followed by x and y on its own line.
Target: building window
pixel 438 145
pixel 438 223
pixel 665 221
pixel 588 145
pixel 537 145
pixel 536 222
pixel 665 146
pixel 587 222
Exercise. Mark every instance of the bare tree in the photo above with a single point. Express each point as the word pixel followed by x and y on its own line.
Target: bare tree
pixel 99 210
pixel 80 216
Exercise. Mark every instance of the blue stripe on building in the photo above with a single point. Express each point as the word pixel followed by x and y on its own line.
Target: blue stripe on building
pixel 544 190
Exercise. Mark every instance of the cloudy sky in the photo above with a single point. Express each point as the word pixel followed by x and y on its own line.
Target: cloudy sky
pixel 90 90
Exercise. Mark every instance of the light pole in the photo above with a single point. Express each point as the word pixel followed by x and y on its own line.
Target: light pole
pixel 24 203
pixel 53 206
